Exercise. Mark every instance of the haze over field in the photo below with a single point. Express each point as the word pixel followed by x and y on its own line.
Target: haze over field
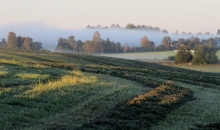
pixel 49 35
pixel 64 18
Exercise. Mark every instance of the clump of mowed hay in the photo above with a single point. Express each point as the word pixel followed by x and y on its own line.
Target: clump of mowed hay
pixel 144 110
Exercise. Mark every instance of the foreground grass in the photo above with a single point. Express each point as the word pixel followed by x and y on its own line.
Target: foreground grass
pixel 43 90
pixel 195 114
pixel 69 101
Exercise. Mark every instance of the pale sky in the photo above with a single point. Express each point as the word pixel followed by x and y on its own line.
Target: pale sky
pixel 185 15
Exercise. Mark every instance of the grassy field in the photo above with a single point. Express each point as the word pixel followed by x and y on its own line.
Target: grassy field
pixel 158 56
pixel 44 90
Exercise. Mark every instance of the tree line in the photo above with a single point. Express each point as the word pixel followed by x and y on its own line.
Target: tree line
pixel 145 28
pixel 23 43
pixel 96 45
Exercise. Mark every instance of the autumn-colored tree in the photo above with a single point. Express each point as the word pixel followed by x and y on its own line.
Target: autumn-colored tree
pixel 145 42
pixel 12 41
pixel 27 44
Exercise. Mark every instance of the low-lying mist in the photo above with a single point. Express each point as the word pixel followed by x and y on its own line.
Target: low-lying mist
pixel 50 35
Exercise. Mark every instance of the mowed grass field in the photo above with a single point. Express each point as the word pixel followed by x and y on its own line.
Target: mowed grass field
pixel 45 90
pixel 157 56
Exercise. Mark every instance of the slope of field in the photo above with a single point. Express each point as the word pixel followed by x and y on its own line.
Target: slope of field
pixel 43 90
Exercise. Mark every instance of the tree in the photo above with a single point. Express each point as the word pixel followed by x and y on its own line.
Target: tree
pixel 97 37
pixel 88 27
pixel 12 41
pixel 157 30
pixel 79 46
pixel 63 45
pixel 218 32
pixel 166 42
pixel 205 54
pixel 212 42
pixel 183 55
pixel 164 31
pixel 36 46
pixel 88 47
pixel 20 41
pixel 147 44
pixel 207 33
pixel 27 44
pixel 71 41
pixel 3 43
pixel 130 26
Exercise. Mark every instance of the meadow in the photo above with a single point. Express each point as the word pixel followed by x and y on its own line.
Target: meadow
pixel 45 90
pixel 147 56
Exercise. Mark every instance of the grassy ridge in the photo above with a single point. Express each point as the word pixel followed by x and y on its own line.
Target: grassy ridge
pixel 91 88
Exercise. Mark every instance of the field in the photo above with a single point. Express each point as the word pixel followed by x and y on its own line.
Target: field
pixel 45 90
pixel 150 56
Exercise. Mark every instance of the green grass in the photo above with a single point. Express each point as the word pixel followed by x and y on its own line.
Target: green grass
pixel 158 56
pixel 44 90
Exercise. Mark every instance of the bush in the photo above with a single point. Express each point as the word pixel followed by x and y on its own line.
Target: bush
pixel 205 54
pixel 183 55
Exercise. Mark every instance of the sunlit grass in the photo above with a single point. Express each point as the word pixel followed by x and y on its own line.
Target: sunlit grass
pixel 4 90
pixel 3 73
pixel 166 99
pixel 65 81
pixel 31 76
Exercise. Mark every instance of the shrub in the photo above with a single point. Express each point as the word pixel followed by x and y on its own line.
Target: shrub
pixel 183 55
pixel 205 54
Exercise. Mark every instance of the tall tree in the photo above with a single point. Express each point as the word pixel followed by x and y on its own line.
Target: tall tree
pixel 27 44
pixel 166 42
pixel 12 41
pixel 3 43
pixel 20 41
pixel 97 37
pixel 72 42
pixel 145 42
pixel 218 32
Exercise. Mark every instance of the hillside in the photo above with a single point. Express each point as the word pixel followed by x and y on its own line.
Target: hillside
pixel 45 90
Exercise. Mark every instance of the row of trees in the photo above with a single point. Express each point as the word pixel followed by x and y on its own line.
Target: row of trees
pixel 203 54
pixel 24 43
pixel 131 26
pixel 169 44
pixel 145 28
pixel 96 45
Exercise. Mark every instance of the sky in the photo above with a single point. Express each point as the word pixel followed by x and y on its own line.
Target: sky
pixel 183 15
